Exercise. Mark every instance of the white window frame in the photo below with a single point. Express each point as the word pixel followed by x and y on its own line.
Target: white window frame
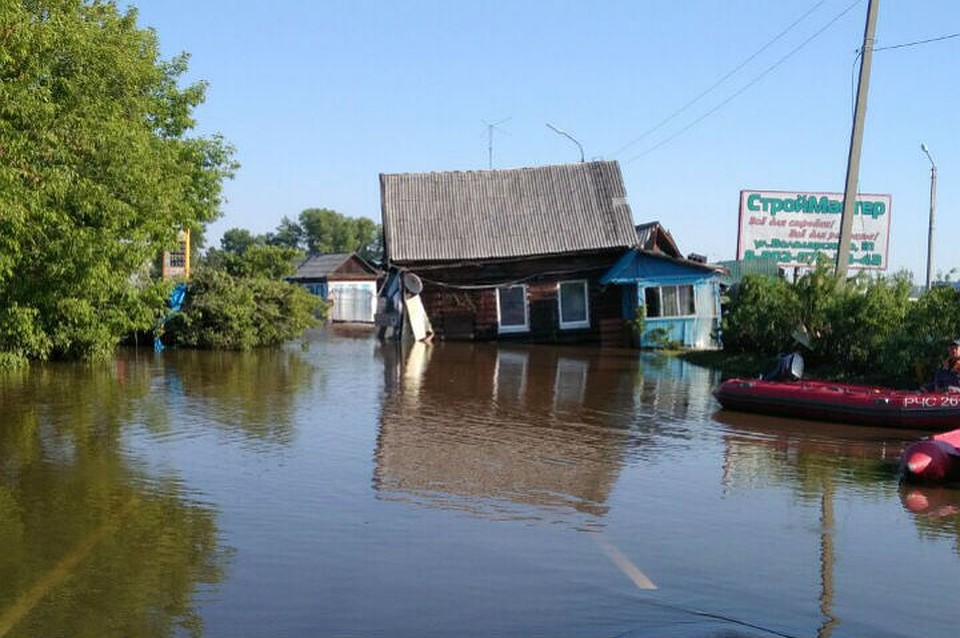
pixel 584 323
pixel 659 293
pixel 502 329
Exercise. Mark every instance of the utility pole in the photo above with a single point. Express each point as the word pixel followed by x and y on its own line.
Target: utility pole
pixel 933 209
pixel 856 142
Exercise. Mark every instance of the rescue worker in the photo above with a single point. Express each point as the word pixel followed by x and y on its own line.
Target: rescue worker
pixel 948 375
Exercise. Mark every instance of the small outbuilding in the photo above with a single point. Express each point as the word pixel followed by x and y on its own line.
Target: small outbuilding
pixel 344 279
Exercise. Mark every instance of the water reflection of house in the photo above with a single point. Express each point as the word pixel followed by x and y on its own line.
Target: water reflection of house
pixel 673 389
pixel 479 427
pixel 344 278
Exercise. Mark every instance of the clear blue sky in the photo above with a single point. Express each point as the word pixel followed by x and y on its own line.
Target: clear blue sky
pixel 319 97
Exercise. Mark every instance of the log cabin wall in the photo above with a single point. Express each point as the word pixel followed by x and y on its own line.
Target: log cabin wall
pixel 461 299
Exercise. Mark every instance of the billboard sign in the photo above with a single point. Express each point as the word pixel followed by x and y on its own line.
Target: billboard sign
pixel 794 227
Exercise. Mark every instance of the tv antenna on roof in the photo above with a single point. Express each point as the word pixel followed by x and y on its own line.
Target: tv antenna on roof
pixel 490 128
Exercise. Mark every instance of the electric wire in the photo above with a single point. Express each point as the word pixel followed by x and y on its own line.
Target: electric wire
pixel 744 88
pixel 853 84
pixel 713 616
pixel 853 72
pixel 516 281
pixel 918 42
pixel 686 106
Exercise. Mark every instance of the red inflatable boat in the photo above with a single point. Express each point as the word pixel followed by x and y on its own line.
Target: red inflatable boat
pixel 932 460
pixel 843 402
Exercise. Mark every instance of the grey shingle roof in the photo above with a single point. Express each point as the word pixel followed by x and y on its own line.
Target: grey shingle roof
pixel 321 266
pixel 505 213
pixel 318 266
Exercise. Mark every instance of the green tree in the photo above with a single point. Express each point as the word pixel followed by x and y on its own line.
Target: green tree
pixel 289 234
pixel 327 231
pixel 272 262
pixel 98 172
pixel 237 240
pixel 865 318
pixel 371 237
pixel 243 254
pixel 931 322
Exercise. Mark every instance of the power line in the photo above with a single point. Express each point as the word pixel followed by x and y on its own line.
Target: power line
pixel 686 106
pixel 853 71
pixel 918 42
pixel 853 68
pixel 744 88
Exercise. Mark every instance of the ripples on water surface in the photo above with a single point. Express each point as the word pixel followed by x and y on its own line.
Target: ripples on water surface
pixel 347 488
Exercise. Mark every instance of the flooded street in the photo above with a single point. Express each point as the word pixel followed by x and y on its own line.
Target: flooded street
pixel 347 488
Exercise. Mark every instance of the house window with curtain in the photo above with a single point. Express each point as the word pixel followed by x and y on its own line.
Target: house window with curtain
pixel 669 301
pixel 573 301
pixel 513 314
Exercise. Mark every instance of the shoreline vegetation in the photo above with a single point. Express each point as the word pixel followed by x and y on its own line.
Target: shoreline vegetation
pixel 866 329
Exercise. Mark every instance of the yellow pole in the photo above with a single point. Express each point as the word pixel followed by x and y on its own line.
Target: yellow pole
pixel 186 263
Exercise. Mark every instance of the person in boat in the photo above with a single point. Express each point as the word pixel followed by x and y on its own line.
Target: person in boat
pixel 947 376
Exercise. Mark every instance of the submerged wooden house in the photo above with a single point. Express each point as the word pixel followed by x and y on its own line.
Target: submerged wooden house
pixel 510 254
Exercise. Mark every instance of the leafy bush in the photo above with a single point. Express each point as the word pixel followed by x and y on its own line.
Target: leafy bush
pixel 931 322
pixel 863 320
pixel 233 313
pixel 866 327
pixel 762 315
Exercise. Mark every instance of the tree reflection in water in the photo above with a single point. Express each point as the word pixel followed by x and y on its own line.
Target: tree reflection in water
pixel 248 394
pixel 91 546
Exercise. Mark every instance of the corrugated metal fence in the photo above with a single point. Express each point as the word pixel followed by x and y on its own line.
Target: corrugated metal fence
pixel 353 302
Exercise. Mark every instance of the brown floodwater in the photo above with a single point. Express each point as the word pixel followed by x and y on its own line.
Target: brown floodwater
pixel 342 487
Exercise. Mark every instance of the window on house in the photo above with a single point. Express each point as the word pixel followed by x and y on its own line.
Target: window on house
pixel 512 311
pixel 574 306
pixel 669 301
pixel 317 289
